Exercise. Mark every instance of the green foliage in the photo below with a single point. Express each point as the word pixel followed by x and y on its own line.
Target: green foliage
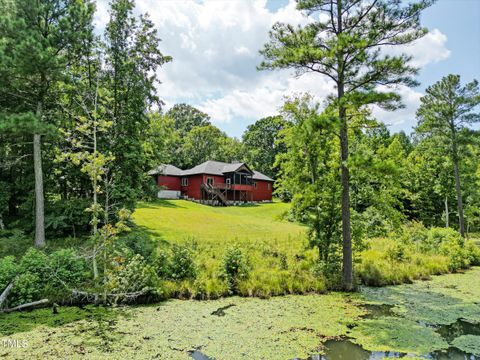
pixel 235 268
pixel 330 270
pixel 14 242
pixel 35 262
pixel 309 169
pixel 39 275
pixel 415 253
pixel 67 216
pixel 186 117
pixel 473 253
pixel 67 269
pixel 28 287
pixel 8 271
pixel 131 276
pixel 181 264
pixel 443 116
pixel 138 242
pixel 262 145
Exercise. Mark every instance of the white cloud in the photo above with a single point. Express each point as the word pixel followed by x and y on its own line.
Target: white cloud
pixel 215 44
pixel 429 49
pixel 403 118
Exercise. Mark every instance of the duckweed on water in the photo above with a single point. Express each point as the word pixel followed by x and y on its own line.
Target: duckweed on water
pixel 397 334
pixel 278 328
pixel 468 343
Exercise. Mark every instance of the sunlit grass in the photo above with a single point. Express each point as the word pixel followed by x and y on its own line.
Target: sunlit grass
pixel 259 230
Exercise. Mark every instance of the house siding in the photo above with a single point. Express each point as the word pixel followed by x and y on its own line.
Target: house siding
pixel 262 192
pixel 173 183
pixel 193 189
pixel 169 182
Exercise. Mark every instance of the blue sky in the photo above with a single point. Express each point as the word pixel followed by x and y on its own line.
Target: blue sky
pixel 459 20
pixel 215 43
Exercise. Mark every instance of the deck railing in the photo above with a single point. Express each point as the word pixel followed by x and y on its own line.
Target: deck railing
pixel 225 186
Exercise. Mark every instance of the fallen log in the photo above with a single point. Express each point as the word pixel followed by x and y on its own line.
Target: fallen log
pixel 27 306
pixel 5 293
pixel 110 296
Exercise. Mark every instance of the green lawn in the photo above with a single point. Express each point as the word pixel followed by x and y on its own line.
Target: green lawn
pixel 178 220
pixel 276 249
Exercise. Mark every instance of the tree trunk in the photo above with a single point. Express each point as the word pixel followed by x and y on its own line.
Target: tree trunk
pixel 345 175
pixel 458 188
pixel 447 215
pixel 39 199
pixel 346 231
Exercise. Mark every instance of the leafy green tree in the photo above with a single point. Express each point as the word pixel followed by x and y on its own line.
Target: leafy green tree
pixel 430 183
pixel 203 143
pixel 132 58
pixel 378 181
pixel 261 144
pixel 445 111
pixel 345 45
pixel 308 171
pixel 186 117
pixel 162 143
pixel 38 39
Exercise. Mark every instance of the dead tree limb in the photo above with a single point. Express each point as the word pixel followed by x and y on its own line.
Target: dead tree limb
pixel 5 293
pixel 34 304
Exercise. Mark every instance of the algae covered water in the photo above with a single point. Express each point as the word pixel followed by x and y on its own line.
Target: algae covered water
pixel 436 319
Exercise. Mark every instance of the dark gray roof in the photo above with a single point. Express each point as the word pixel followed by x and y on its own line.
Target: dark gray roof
pixel 166 169
pixel 209 167
pixel 259 176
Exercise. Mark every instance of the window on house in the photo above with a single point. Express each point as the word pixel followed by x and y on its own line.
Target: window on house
pixel 228 181
pixel 269 186
pixel 209 180
pixel 184 181
pixel 255 184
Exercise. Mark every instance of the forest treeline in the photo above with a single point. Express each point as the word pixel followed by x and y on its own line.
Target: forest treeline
pixel 82 122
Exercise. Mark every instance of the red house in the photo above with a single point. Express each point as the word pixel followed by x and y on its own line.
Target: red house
pixel 214 183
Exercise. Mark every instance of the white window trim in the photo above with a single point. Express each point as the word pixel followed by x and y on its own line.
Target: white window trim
pixel 254 184
pixel 185 181
pixel 210 178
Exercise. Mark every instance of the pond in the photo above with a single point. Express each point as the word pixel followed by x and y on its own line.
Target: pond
pixel 436 319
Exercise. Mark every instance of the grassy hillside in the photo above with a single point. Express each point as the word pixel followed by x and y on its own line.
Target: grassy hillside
pixel 178 220
pixel 276 249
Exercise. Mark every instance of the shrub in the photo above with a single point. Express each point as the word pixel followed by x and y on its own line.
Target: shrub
pixel 438 236
pixel 28 287
pixel 162 264
pixel 456 253
pixel 139 242
pixel 66 216
pixel 182 264
pixel 67 269
pixel 35 262
pixel 14 242
pixel 132 276
pixel 8 271
pixel 234 268
pixel 413 232
pixel 283 261
pixel 473 253
pixel 330 271
pixel 398 251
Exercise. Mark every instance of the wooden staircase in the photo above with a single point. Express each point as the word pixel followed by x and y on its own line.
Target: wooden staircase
pixel 215 194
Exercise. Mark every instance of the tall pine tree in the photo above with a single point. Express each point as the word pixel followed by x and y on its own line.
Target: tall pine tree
pixel 345 45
